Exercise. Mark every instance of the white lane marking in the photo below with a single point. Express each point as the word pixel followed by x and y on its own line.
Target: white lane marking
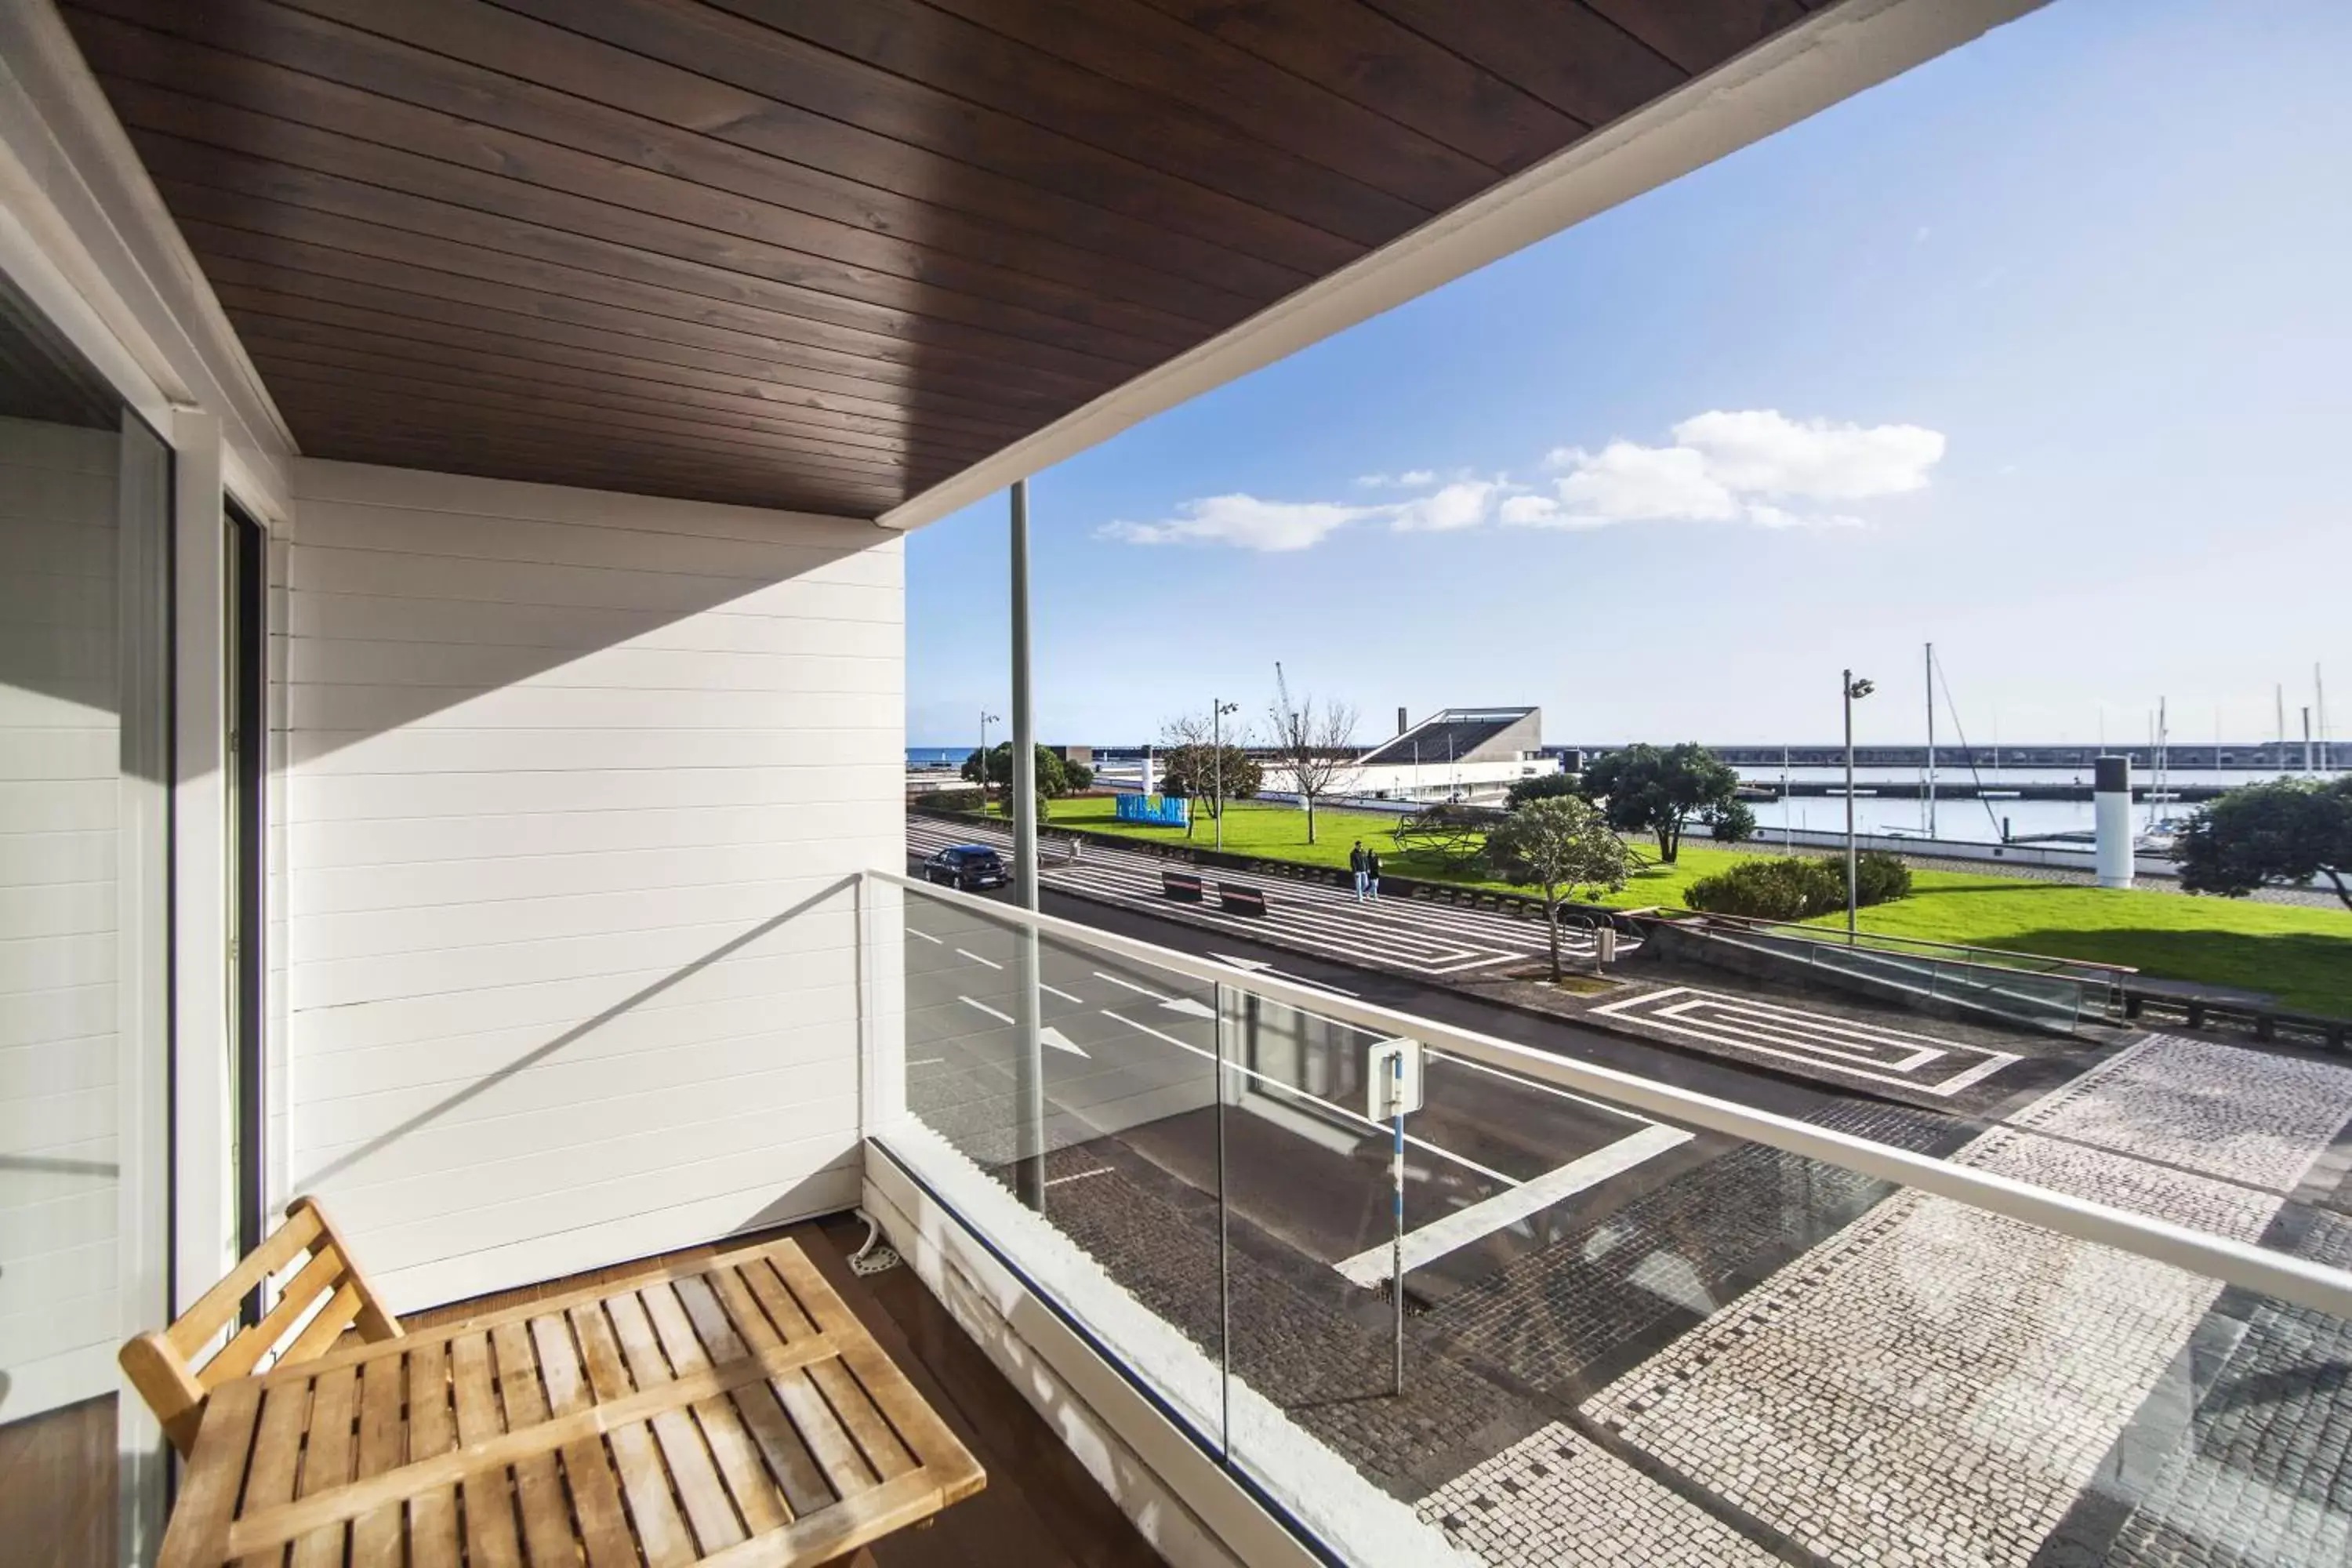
pixel 1259 965
pixel 1063 994
pixel 926 936
pixel 1047 1036
pixel 926 1061
pixel 977 959
pixel 1189 1007
pixel 1132 985
pixel 1079 1175
pixel 1506 1208
pixel 1821 1057
pixel 1460 1160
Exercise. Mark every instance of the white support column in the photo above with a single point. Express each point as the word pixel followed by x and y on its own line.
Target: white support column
pixel 203 1177
pixel 2111 804
pixel 1029 1097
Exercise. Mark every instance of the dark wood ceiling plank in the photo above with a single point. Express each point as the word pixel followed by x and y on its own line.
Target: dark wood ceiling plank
pixel 527 214
pixel 413 353
pixel 589 350
pixel 1698 37
pixel 945 283
pixel 355 409
pixel 299 203
pixel 471 88
pixel 1139 47
pixel 1573 59
pixel 921 43
pixel 1364 55
pixel 305 384
pixel 637 328
pixel 364 442
pixel 732 49
pixel 271 344
pixel 527 49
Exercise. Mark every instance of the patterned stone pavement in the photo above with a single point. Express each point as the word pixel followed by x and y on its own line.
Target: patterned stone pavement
pixel 1938 1384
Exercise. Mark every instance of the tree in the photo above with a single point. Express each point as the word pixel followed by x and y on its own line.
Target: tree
pixel 1645 790
pixel 1052 778
pixel 1545 787
pixel 1193 766
pixel 1315 743
pixel 1559 846
pixel 1730 822
pixel 2290 830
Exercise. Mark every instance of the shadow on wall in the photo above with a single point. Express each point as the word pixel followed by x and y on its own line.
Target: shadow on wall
pixel 477 1087
pixel 422 600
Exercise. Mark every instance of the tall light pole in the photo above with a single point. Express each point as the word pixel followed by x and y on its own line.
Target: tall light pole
pixel 986 719
pixel 1856 690
pixel 1217 711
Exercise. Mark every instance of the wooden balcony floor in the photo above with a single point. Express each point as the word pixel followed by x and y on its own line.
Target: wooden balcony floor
pixel 1040 1510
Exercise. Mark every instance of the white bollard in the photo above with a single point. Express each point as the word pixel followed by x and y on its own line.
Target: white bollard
pixel 2111 802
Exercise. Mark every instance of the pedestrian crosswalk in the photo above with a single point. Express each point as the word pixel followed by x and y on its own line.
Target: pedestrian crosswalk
pixel 1417 938
pixel 1823 1042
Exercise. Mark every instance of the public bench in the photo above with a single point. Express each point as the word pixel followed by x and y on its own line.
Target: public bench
pixel 1240 900
pixel 1184 885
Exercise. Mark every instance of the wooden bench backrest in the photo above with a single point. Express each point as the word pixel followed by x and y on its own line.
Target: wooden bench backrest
pixel 163 1367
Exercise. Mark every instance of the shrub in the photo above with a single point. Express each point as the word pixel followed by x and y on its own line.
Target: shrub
pixel 1797 887
pixel 1730 822
pixel 950 800
pixel 1879 877
pixel 1545 787
pixel 1772 888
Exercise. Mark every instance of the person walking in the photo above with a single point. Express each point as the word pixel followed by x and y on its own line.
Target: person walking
pixel 1372 873
pixel 1356 863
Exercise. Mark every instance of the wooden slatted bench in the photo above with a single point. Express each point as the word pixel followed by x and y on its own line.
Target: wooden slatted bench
pixel 173 1369
pixel 729 1406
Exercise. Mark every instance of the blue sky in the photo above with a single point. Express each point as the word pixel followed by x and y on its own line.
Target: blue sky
pixel 2042 351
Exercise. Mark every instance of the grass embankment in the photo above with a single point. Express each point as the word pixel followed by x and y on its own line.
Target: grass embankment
pixel 2299 954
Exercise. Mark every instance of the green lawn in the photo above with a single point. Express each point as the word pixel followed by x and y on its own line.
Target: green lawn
pixel 2303 956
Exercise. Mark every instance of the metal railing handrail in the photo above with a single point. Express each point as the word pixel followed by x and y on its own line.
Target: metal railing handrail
pixel 2297 1280
pixel 1839 938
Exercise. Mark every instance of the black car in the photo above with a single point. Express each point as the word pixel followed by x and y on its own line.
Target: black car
pixel 970 866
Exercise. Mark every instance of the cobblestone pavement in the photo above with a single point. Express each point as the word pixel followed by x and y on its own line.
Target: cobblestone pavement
pixel 1938 1384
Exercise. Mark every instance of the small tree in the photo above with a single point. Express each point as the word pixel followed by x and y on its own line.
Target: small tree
pixel 1730 822
pixel 1051 779
pixel 1545 787
pixel 1316 744
pixel 1646 790
pixel 1193 766
pixel 2290 830
pixel 1559 846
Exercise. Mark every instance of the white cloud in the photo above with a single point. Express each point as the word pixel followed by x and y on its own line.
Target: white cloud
pixel 1764 452
pixel 1245 521
pixel 1463 504
pixel 1626 482
pixel 1755 465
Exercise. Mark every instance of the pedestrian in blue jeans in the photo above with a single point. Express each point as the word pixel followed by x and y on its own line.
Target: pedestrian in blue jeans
pixel 1356 858
pixel 1372 873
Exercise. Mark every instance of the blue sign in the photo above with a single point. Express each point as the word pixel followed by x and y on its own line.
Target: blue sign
pixel 1160 810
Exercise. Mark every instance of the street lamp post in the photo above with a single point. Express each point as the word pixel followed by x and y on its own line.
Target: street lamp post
pixel 1217 711
pixel 1855 691
pixel 986 719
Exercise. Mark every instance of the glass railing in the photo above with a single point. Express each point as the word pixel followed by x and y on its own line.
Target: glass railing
pixel 1638 1324
pixel 2044 993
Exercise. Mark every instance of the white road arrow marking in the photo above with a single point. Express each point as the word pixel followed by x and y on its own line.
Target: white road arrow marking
pixel 1060 1041
pixel 1189 1008
pixel 1259 965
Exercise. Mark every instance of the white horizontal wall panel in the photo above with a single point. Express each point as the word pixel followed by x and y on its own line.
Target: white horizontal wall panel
pixel 575 786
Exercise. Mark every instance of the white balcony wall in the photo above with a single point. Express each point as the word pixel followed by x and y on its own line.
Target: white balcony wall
pixel 576 783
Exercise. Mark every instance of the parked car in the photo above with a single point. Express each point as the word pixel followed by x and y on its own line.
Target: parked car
pixel 968 867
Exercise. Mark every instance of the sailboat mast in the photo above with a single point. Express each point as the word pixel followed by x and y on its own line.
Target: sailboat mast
pixel 2319 696
pixel 1931 740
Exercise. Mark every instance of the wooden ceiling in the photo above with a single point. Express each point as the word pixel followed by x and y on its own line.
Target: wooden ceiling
pixel 814 254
